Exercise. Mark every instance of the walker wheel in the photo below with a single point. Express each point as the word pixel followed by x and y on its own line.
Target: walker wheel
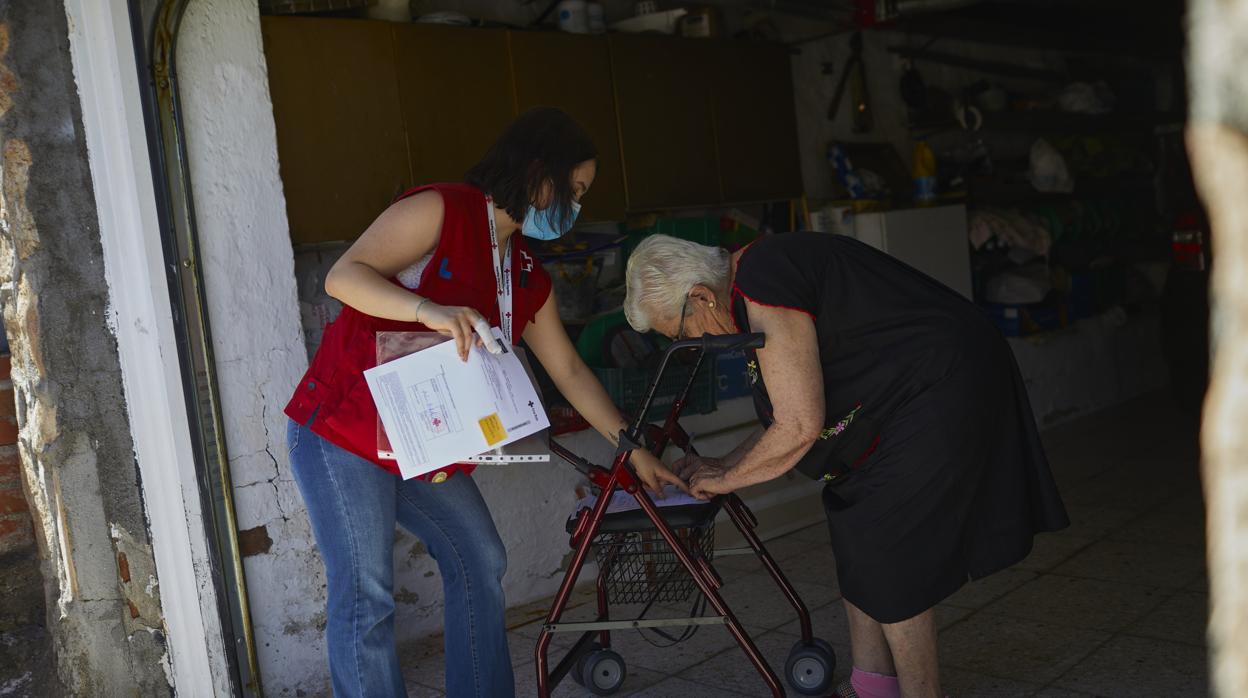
pixel 579 668
pixel 602 672
pixel 810 667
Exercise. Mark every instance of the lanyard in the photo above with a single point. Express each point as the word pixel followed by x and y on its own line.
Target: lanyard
pixel 502 273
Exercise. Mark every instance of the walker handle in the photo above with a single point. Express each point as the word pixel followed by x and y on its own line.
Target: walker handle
pixel 718 343
pixel 722 343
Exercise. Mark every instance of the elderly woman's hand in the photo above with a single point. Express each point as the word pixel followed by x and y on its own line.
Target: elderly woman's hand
pixel 690 464
pixel 653 474
pixel 705 475
pixel 708 482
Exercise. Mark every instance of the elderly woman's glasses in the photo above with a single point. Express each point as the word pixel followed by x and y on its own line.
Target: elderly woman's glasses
pixel 684 308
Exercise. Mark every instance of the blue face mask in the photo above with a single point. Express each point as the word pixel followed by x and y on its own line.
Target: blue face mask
pixel 540 224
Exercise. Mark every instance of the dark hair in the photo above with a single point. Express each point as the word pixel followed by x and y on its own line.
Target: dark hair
pixel 542 145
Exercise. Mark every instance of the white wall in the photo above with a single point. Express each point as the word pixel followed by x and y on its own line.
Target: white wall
pixel 249 274
pixel 1093 365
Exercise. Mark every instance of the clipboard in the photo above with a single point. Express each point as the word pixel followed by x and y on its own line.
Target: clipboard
pixel 534 448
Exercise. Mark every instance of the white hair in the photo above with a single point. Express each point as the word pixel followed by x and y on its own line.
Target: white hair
pixel 662 271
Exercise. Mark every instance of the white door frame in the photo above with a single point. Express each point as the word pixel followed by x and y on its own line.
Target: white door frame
pixel 140 314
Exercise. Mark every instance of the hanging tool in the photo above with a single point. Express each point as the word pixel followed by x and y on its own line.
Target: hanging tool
pixel 854 73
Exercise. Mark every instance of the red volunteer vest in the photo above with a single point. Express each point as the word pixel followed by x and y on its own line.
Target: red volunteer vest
pixel 459 273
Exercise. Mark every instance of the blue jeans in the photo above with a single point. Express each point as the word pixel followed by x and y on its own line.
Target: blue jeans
pixel 354 506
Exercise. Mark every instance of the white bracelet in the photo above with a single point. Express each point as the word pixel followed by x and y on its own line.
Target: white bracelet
pixel 420 305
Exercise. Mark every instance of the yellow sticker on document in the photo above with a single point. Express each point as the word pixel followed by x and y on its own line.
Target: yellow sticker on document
pixel 492 428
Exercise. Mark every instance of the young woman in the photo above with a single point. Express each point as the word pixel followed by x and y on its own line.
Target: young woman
pixel 441 258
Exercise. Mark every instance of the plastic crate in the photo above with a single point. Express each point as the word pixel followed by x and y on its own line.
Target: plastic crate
pixel 704 231
pixel 627 388
pixel 1082 297
pixel 589 343
pixel 732 379
pixel 1023 320
pixel 737 237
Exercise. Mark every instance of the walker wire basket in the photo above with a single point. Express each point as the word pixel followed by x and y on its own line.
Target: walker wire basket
pixel 640 567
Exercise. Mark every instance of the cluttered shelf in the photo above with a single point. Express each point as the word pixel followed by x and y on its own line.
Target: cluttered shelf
pixel 1072 174
pixel 1005 191
pixel 1046 121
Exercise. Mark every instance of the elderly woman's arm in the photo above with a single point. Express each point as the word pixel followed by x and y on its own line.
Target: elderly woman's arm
pixel 687 465
pixel 790 368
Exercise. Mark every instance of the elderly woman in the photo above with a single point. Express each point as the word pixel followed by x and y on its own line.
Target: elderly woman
pixel 895 391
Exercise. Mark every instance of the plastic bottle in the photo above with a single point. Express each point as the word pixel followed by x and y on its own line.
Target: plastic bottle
pixel 923 169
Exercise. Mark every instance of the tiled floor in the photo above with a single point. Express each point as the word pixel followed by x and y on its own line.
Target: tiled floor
pixel 1113 606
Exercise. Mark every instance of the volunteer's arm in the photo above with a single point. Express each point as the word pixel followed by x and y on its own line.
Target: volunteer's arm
pixel 401 236
pixel 550 344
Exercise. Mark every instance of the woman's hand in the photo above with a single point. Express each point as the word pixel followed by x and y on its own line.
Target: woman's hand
pixel 653 474
pixel 453 321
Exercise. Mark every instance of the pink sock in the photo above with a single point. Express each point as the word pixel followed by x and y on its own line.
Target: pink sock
pixel 869 685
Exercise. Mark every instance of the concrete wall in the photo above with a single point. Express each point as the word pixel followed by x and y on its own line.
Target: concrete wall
pixel 104 612
pixel 249 275
pixel 1092 365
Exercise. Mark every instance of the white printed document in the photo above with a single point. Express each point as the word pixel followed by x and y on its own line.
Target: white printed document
pixel 438 410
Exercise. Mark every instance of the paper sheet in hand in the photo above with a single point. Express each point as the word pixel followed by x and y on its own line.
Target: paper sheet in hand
pixel 439 410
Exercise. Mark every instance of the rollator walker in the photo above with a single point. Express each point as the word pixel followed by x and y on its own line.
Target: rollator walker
pixel 654 554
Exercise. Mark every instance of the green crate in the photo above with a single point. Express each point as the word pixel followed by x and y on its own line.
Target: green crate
pixel 627 388
pixel 704 231
pixel 589 342
pixel 738 237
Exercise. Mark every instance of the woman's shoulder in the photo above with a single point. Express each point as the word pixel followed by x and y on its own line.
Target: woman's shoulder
pixel 789 249
pixel 784 269
pixel 801 243
pixel 444 193
pixel 440 203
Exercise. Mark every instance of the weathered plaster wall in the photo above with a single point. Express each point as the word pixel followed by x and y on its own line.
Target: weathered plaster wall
pixel 249 275
pixel 104 612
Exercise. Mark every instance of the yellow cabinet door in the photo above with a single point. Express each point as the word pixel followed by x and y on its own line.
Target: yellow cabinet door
pixel 340 138
pixel 573 72
pixel 663 103
pixel 456 93
pixel 755 121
